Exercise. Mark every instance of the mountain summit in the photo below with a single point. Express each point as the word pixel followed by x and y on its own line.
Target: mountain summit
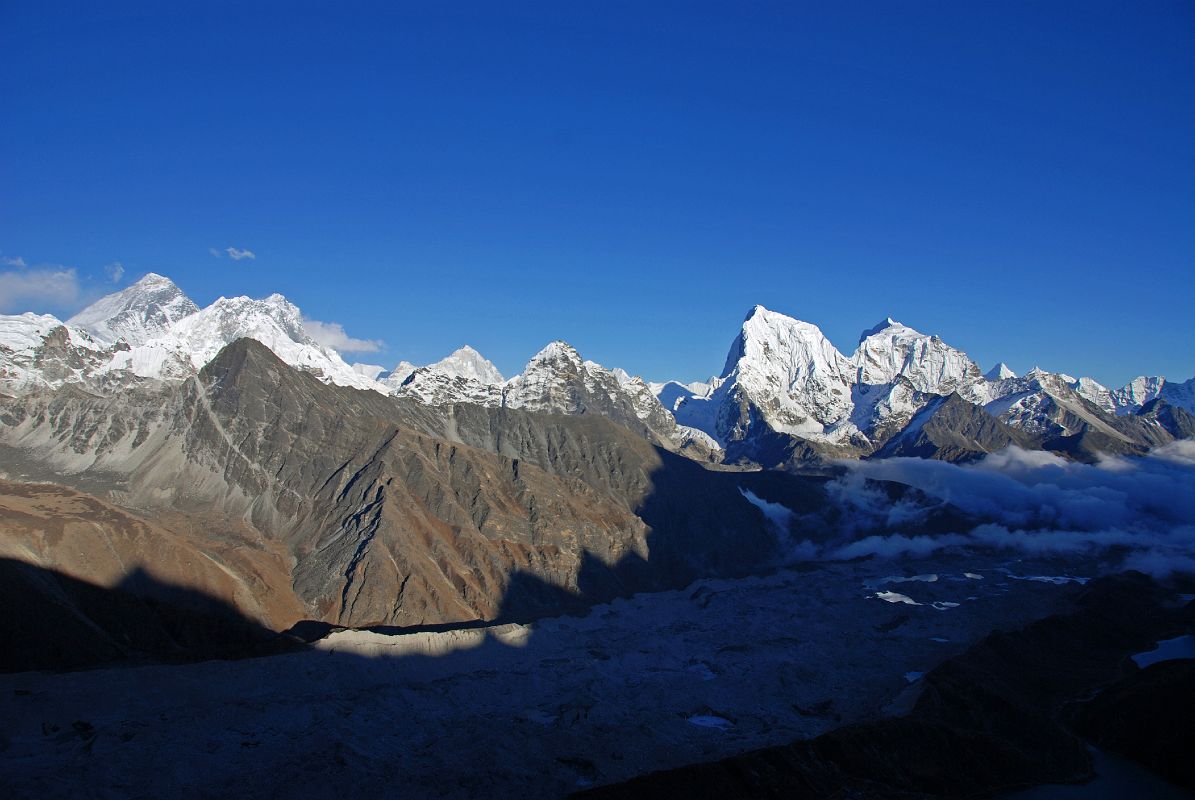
pixel 145 310
pixel 785 393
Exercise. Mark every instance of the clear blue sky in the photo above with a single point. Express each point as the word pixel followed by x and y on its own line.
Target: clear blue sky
pixel 631 177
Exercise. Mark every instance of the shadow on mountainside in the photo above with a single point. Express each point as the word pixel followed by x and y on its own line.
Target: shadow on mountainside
pixel 53 621
pixel 996 718
pixel 699 525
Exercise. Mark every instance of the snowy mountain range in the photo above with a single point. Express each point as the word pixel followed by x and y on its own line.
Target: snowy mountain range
pixel 783 376
pixel 784 386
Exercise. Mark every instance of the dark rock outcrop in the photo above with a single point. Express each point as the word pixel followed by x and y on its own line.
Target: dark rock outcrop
pixel 952 429
pixel 1148 717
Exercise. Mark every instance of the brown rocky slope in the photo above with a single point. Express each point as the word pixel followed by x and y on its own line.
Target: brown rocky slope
pixel 292 499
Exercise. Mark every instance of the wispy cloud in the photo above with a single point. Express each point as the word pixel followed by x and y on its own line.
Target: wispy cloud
pixel 10 261
pixel 23 288
pixel 235 253
pixel 114 271
pixel 332 335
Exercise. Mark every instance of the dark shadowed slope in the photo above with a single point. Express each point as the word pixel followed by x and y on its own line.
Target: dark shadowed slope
pixel 53 621
pixel 989 721
pixel 390 513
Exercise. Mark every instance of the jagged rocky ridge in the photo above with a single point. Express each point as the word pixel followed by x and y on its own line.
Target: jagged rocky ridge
pixel 786 396
pixel 387 511
pixel 151 333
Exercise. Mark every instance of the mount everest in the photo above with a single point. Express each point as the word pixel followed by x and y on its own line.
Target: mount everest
pixel 786 395
pixel 183 484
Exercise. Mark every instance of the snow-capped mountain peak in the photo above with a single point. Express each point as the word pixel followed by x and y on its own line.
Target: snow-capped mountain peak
pixel 274 321
pixel 892 350
pixel 187 344
pixel 557 352
pixel 397 376
pixel 464 376
pixel 772 346
pixel 887 323
pixel 558 381
pixel 672 393
pixel 1140 391
pixel 1000 372
pixel 38 350
pixel 549 380
pixel 469 364
pixel 143 311
pixel 787 369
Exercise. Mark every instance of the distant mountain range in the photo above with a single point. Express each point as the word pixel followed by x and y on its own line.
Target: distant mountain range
pixel 786 396
pixel 226 449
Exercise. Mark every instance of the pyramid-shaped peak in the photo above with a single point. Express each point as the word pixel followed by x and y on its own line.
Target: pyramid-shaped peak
pixel 755 309
pixel 880 327
pixel 465 362
pixel 154 279
pixel 764 319
pixel 556 350
pixel 1000 372
pixel 140 312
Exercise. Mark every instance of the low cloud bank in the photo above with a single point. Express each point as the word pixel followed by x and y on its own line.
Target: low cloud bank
pixel 1033 503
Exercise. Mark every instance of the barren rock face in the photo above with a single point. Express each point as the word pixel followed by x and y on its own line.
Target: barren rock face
pixel 381 512
pixel 84 582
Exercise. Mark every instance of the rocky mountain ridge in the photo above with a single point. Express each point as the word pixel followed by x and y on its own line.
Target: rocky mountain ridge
pixel 387 511
pixel 784 380
pixel 786 395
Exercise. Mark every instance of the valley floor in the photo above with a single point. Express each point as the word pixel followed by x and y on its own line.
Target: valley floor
pixel 540 710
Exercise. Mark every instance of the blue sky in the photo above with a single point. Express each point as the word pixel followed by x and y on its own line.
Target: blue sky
pixel 631 177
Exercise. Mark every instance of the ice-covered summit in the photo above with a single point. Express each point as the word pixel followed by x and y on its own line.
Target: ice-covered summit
pixel 469 364
pixel 891 350
pixel 1000 372
pixel 772 346
pixel 550 380
pixel 879 327
pixel 797 378
pixel 152 331
pixel 783 376
pixel 145 310
pixel 464 376
pixel 782 381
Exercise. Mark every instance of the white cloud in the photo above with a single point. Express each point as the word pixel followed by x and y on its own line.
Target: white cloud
pixel 331 334
pixel 237 254
pixel 1181 452
pixel 1029 502
pixel 23 289
pixel 10 261
pixel 896 546
pixel 114 271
